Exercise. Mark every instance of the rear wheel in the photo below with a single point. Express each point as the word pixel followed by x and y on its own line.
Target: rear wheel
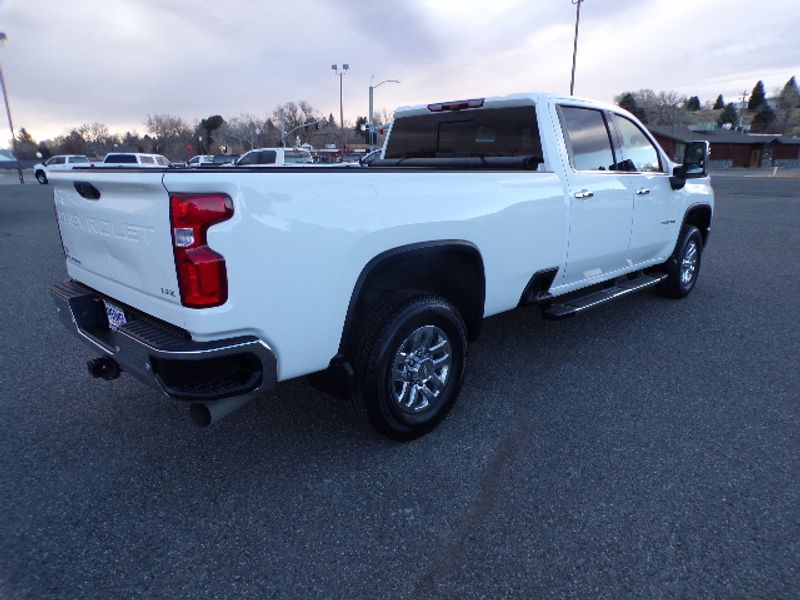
pixel 410 365
pixel 684 266
pixel 41 177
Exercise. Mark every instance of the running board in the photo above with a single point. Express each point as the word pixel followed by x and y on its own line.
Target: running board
pixel 574 306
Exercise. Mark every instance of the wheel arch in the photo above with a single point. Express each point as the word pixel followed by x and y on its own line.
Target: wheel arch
pixel 452 269
pixel 700 216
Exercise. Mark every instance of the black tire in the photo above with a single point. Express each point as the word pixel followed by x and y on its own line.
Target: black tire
pixel 41 177
pixel 426 327
pixel 683 267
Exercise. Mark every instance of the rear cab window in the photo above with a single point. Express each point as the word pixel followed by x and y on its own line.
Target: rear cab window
pixel 121 159
pixel 259 157
pixel 483 133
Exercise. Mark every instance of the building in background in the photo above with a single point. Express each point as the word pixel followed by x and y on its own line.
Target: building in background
pixel 731 148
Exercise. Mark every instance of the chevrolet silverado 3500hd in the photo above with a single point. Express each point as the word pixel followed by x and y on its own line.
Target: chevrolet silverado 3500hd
pixel 211 285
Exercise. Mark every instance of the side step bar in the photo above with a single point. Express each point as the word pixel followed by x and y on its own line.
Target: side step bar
pixel 580 304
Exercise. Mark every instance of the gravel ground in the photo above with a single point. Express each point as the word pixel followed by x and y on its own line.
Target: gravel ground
pixel 648 449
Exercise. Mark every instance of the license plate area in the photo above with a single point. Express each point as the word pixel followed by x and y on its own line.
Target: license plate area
pixel 115 315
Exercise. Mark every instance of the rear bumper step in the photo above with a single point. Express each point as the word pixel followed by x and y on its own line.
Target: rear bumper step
pixel 164 357
pixel 569 308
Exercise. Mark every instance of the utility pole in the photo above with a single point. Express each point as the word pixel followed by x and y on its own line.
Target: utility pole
pixel 741 110
pixel 8 114
pixel 577 3
pixel 341 73
pixel 371 123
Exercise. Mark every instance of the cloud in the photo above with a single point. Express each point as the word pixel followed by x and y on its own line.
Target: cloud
pixel 115 61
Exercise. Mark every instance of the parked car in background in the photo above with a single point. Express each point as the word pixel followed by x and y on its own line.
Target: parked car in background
pixel 60 162
pixel 354 156
pixel 372 155
pixel 200 160
pixel 223 159
pixel 7 160
pixel 136 159
pixel 275 157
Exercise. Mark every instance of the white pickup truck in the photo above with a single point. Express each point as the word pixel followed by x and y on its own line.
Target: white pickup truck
pixel 60 162
pixel 212 285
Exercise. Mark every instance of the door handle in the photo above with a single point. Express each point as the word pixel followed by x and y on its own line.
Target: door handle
pixel 643 191
pixel 583 194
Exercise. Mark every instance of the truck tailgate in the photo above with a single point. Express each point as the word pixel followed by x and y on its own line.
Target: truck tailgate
pixel 119 242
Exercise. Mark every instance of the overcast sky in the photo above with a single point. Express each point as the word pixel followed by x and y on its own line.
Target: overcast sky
pixel 68 62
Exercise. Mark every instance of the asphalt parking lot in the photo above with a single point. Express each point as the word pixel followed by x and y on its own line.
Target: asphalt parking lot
pixel 649 449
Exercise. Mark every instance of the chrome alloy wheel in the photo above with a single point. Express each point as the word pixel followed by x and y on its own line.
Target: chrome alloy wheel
pixel 420 369
pixel 689 263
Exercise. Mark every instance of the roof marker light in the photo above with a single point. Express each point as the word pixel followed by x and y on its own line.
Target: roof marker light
pixel 456 105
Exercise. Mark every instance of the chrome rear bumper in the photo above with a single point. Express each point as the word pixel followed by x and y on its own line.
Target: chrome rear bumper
pixel 164 357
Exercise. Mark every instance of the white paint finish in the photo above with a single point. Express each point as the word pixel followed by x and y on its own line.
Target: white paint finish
pixel 657 216
pixel 124 236
pixel 307 244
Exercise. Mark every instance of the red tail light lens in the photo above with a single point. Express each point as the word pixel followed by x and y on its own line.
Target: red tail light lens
pixel 202 277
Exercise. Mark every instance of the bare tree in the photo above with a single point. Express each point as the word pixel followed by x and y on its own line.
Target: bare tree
pixel 170 134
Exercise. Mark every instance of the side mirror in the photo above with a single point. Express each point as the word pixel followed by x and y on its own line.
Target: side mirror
pixel 39 155
pixel 695 164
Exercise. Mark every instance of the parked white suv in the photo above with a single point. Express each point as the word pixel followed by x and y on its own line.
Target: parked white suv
pixel 60 162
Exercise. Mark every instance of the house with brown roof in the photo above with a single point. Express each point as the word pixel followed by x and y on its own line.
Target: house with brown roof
pixel 731 148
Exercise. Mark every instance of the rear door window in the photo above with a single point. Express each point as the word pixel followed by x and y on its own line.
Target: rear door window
pixel 587 136
pixel 489 132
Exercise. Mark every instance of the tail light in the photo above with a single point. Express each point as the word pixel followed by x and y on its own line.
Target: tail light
pixel 202 277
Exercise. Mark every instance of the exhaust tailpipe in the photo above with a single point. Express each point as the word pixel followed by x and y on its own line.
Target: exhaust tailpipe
pixel 204 414
pixel 103 368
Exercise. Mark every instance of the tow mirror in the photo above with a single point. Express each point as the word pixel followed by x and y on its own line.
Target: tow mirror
pixel 695 164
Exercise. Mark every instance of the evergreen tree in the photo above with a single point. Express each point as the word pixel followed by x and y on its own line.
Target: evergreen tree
pixel 729 115
pixel 692 103
pixel 758 97
pixel 788 102
pixel 359 122
pixel 26 145
pixel 720 103
pixel 44 150
pixel 628 101
pixel 764 120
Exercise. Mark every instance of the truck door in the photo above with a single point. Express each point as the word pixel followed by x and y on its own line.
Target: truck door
pixel 601 206
pixel 655 204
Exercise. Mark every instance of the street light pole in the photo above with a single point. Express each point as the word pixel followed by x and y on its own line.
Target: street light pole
pixel 8 114
pixel 371 123
pixel 341 74
pixel 575 45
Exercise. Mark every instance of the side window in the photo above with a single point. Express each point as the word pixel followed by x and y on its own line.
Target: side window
pixel 58 160
pixel 147 160
pixel 638 153
pixel 587 138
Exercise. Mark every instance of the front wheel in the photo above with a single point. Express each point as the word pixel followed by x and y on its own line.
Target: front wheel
pixel 41 177
pixel 410 365
pixel 684 266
